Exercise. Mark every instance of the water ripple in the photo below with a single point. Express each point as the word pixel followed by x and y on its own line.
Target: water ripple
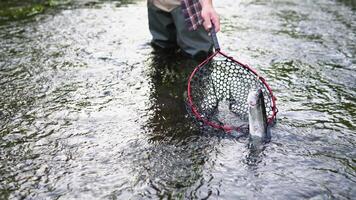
pixel 90 111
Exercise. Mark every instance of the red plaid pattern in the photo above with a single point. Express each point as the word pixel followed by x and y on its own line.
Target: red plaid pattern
pixel 192 13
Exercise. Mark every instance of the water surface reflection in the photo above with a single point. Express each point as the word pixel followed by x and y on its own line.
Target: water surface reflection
pixel 89 110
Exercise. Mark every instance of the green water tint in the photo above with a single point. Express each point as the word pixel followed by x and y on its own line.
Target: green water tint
pixel 21 12
pixel 11 10
pixel 15 10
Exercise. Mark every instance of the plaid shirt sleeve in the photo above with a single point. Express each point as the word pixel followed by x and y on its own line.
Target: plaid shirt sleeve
pixel 192 13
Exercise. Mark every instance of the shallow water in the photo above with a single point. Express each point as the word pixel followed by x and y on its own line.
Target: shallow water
pixel 89 111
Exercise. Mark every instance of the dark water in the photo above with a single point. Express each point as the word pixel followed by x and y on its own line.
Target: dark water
pixel 89 111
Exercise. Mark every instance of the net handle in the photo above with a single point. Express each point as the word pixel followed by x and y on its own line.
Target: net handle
pixel 214 37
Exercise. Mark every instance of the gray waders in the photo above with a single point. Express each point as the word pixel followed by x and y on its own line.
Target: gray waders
pixel 169 30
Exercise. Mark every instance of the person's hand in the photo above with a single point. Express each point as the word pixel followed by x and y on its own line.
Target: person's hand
pixel 209 16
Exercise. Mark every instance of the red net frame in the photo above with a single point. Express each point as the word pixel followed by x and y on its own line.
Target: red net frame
pixel 227 127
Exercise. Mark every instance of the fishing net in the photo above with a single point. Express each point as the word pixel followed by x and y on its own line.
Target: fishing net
pixel 218 90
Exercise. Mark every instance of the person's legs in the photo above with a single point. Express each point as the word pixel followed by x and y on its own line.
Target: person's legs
pixel 162 28
pixel 196 43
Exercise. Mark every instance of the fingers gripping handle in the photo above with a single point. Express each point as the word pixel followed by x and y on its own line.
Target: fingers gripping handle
pixel 215 39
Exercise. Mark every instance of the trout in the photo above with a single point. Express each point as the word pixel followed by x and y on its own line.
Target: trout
pixel 257 119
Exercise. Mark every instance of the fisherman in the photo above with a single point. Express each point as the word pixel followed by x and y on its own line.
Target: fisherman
pixel 184 24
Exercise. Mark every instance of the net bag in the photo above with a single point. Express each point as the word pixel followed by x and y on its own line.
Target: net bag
pixel 218 89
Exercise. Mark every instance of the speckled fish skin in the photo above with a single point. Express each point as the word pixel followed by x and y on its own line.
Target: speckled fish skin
pixel 257 115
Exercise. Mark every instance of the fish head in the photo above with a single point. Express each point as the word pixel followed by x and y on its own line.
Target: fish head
pixel 254 97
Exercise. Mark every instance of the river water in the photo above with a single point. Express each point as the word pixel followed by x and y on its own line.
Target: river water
pixel 89 111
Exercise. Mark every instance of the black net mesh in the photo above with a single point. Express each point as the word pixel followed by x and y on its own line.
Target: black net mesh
pixel 219 91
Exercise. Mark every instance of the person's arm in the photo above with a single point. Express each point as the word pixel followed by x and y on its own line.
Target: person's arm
pixel 209 15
